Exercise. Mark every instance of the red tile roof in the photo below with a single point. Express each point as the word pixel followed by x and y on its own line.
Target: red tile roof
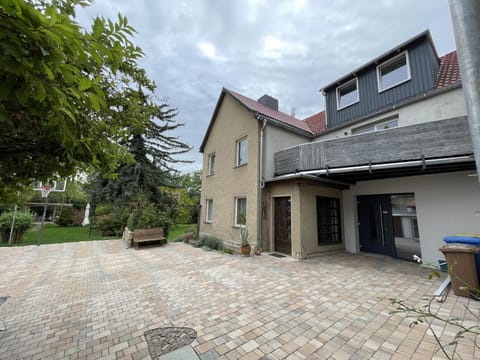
pixel 449 71
pixel 273 114
pixel 317 122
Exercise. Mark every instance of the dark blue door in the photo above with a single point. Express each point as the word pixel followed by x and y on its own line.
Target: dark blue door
pixel 375 224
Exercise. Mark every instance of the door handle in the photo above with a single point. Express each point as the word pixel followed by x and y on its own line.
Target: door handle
pixel 381 225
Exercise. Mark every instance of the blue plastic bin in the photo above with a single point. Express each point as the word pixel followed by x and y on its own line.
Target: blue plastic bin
pixel 470 239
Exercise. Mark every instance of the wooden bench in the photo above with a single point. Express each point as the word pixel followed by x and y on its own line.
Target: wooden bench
pixel 149 236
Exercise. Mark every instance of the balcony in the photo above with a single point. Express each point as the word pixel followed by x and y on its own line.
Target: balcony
pixel 431 147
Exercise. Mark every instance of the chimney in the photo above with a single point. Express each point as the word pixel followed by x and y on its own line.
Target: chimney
pixel 269 101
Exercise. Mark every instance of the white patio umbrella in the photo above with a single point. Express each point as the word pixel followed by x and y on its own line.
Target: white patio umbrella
pixel 86 220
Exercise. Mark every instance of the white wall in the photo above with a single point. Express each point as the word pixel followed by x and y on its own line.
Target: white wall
pixel 446 203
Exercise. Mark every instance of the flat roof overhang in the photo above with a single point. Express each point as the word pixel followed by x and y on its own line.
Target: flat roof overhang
pixel 352 174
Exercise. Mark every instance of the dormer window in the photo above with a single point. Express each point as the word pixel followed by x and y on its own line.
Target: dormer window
pixel 347 94
pixel 393 72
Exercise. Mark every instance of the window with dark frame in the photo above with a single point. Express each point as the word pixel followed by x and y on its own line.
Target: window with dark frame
pixel 328 221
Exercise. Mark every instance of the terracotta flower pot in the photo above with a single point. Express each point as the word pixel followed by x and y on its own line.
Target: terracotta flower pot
pixel 245 250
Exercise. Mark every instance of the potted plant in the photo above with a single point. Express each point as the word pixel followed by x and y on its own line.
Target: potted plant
pixel 244 245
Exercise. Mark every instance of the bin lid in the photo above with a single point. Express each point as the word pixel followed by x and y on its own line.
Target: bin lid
pixel 472 239
pixel 459 248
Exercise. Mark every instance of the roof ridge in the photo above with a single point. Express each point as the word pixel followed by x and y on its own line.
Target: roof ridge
pixel 273 114
pixel 260 104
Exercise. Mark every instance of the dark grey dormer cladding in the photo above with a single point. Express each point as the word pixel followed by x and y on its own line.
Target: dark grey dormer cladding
pixel 423 63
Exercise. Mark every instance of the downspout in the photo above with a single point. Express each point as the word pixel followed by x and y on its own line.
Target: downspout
pixel 466 27
pixel 261 185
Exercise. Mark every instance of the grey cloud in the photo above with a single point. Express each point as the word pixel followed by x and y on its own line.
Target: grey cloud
pixel 320 42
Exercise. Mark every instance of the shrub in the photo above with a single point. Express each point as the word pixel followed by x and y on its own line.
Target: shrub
pixel 148 216
pixel 188 237
pixel 66 217
pixel 227 250
pixel 23 222
pixel 111 220
pixel 212 242
pixel 79 215
pixel 196 243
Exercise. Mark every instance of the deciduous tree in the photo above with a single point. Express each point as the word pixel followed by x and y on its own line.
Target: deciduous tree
pixel 70 97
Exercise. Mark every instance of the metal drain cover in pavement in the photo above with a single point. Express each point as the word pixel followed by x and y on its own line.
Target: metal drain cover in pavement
pixel 277 255
pixel 163 340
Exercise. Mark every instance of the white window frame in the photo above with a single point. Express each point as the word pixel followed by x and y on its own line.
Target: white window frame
pixel 211 164
pixel 209 211
pixel 389 61
pixel 381 126
pixel 236 204
pixel 376 126
pixel 344 85
pixel 237 151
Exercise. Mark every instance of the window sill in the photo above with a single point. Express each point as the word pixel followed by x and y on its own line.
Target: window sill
pixel 208 222
pixel 241 165
pixel 330 243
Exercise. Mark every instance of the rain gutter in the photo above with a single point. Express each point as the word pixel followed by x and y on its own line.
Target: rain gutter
pixel 385 166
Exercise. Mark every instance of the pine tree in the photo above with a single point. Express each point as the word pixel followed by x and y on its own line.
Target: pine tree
pixel 138 184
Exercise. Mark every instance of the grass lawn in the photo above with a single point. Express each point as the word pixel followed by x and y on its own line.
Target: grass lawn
pixel 179 230
pixel 53 234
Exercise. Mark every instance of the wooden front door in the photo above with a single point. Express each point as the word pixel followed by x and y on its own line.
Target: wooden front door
pixel 282 225
pixel 375 224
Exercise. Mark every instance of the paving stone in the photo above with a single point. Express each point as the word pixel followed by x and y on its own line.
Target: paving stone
pixel 96 299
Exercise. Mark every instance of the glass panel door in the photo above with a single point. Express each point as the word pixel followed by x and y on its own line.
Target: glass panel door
pixel 407 237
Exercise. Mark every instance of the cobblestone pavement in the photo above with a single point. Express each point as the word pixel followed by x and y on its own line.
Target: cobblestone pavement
pixel 95 300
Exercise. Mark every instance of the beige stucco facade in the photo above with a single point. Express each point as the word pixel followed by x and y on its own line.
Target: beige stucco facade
pixel 304 236
pixel 233 122
pixel 308 214
pixel 446 203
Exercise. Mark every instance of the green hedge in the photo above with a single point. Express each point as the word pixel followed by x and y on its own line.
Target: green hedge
pixel 23 222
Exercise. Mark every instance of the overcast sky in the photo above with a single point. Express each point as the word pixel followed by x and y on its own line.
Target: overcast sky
pixel 287 49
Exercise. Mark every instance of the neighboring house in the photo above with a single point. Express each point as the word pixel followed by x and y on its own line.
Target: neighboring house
pixel 387 168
